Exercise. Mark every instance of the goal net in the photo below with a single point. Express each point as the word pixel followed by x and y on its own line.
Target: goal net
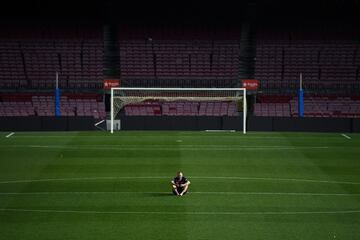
pixel 123 97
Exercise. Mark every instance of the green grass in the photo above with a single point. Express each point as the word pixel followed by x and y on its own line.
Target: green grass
pixel 93 185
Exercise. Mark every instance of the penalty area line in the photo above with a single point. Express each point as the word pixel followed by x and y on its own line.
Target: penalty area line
pixel 10 134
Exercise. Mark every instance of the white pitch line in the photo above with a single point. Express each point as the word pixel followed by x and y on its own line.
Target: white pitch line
pixel 79 179
pixel 9 135
pixel 240 137
pixel 168 148
pixel 196 193
pixel 282 179
pixel 277 193
pixel 168 177
pixel 216 131
pixel 179 213
pixel 345 136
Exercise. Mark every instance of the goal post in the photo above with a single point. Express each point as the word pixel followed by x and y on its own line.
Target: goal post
pixel 123 96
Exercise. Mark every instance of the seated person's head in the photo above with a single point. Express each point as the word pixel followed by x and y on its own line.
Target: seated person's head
pixel 179 175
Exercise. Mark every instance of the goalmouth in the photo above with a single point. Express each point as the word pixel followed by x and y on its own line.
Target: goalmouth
pixel 123 96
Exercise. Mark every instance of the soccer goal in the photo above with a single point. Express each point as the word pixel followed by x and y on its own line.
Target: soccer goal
pixel 123 96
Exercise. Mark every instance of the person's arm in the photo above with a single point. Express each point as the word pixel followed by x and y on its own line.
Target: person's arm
pixel 187 183
pixel 185 186
pixel 174 187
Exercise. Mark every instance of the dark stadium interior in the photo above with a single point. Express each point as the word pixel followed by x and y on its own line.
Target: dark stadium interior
pixel 181 11
pixel 180 44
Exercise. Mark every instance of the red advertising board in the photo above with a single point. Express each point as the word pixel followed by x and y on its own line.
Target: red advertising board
pixel 111 83
pixel 250 84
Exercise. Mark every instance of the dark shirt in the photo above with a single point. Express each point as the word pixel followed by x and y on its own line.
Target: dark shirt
pixel 177 181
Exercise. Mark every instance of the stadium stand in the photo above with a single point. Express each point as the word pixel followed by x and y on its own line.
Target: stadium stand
pixel 177 57
pixel 182 109
pixel 30 59
pixel 43 105
pixel 314 106
pixel 327 58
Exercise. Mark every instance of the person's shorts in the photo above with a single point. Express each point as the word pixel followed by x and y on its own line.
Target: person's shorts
pixel 179 191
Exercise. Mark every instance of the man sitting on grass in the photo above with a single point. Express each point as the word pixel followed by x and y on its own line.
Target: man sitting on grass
pixel 180 184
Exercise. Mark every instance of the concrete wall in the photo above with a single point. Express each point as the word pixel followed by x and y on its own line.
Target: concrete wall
pixel 181 123
pixel 184 123
pixel 303 124
pixel 46 123
pixel 235 123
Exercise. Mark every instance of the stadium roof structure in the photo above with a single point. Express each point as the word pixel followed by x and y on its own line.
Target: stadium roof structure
pixel 164 11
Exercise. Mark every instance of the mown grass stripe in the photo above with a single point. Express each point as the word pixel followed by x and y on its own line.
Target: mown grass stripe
pixel 355 211
pixel 196 193
pixel 192 177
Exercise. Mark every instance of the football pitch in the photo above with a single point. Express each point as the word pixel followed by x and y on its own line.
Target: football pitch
pixel 94 185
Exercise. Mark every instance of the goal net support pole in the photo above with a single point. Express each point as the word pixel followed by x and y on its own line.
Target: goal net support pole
pixel 127 96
